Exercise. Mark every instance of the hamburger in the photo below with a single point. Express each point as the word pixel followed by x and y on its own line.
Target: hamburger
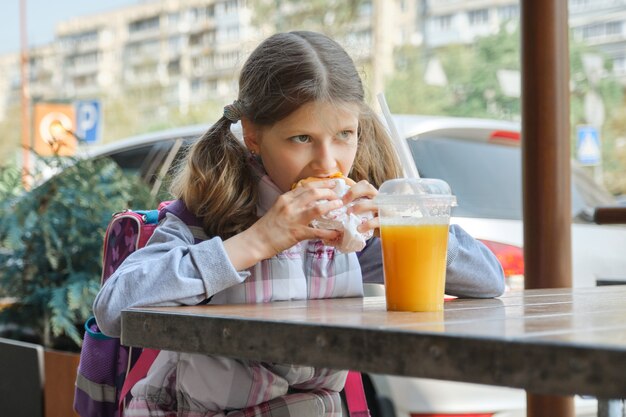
pixel 339 219
pixel 337 175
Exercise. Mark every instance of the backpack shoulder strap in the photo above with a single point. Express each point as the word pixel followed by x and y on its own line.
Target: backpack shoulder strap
pixel 178 209
pixel 136 373
pixel 355 395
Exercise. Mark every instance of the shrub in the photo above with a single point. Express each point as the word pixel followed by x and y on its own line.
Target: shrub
pixel 51 240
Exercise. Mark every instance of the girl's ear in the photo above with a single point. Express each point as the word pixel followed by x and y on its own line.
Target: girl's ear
pixel 250 135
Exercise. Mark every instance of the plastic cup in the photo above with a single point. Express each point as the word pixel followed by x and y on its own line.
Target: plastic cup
pixel 414 219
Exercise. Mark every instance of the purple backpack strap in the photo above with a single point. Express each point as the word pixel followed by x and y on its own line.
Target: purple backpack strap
pixel 178 209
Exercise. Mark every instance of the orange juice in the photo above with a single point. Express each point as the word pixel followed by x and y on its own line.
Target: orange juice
pixel 414 262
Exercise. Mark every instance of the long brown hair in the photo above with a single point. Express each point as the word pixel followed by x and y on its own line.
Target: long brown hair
pixel 284 72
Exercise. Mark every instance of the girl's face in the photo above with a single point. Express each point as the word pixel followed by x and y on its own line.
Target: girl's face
pixel 317 140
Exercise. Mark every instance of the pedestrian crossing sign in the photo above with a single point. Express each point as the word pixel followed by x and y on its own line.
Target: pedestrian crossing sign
pixel 588 145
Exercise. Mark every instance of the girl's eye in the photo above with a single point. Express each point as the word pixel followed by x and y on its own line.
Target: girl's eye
pixel 300 139
pixel 345 134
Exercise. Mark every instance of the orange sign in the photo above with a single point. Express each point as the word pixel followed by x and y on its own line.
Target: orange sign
pixel 55 127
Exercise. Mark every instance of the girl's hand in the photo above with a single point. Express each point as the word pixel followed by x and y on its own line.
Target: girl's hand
pixel 364 193
pixel 287 222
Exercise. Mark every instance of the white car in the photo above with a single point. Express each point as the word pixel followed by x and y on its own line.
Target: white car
pixel 481 160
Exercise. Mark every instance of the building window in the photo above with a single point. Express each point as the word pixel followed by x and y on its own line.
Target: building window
pixel 578 4
pixel 228 59
pixel 79 60
pixel 591 31
pixel 365 8
pixel 202 13
pixel 195 39
pixel 85 81
pixel 87 59
pixel 143 49
pixel 478 17
pixel 203 62
pixel 205 39
pixel 79 39
pixel 175 44
pixel 508 12
pixel 230 6
pixel 144 25
pixel 443 22
pixel 619 65
pixel 173 67
pixel 600 30
pixel 173 19
pixel 614 28
pixel 195 84
pixel 232 32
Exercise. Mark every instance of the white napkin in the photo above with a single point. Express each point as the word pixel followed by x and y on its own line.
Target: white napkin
pixel 340 219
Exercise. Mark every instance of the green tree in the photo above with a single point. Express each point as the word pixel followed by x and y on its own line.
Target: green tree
pixel 406 91
pixel 473 90
pixel 332 17
pixel 51 244
pixel 614 128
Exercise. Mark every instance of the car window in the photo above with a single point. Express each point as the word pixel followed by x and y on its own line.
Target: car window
pixel 486 177
pixel 145 160
pixel 482 177
pixel 136 160
pixel 170 164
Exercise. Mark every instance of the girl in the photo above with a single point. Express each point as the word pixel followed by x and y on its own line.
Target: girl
pixel 239 234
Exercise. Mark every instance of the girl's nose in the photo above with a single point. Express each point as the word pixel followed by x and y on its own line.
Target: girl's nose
pixel 324 159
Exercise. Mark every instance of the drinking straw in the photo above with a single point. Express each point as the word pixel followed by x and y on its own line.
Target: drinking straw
pixel 402 148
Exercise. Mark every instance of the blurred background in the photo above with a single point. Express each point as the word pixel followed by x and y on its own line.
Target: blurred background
pixel 109 95
pixel 125 67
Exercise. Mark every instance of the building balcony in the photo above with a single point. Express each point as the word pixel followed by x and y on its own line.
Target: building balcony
pixel 82 69
pixel 144 35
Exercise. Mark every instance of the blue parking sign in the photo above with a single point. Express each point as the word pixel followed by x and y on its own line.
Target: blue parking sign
pixel 588 145
pixel 88 120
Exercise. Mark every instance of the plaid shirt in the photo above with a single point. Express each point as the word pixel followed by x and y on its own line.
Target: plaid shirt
pixel 190 385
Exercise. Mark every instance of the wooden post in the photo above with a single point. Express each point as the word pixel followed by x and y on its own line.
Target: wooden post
pixel 546 161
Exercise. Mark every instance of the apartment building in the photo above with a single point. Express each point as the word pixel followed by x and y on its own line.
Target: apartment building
pixel 597 23
pixel 462 21
pixel 174 52
pixel 602 24
pixel 180 52
pixel 9 83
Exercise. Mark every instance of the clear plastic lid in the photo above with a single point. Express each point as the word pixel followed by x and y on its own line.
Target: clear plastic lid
pixel 409 191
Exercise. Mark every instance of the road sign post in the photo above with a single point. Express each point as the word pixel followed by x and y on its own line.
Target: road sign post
pixel 588 145
pixel 89 121
pixel 589 150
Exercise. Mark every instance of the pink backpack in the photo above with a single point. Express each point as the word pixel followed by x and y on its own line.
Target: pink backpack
pixel 108 370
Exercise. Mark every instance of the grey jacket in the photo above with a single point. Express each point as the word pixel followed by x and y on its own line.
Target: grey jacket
pixel 173 270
